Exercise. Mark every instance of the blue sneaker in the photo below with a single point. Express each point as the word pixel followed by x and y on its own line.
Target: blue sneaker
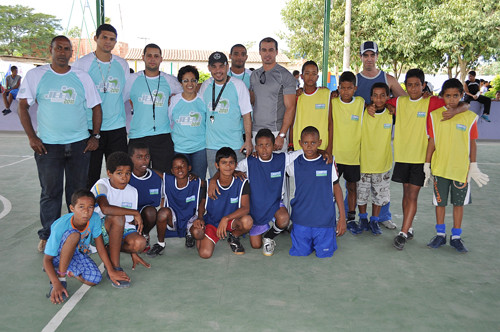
pixel 64 297
pixel 375 228
pixel 486 117
pixel 437 241
pixel 457 244
pixel 353 227
pixel 363 224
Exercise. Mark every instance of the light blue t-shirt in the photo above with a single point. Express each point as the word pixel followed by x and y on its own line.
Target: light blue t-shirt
pixel 62 102
pixel 143 91
pixel 188 119
pixel 61 225
pixel 224 125
pixel 112 79
pixel 245 76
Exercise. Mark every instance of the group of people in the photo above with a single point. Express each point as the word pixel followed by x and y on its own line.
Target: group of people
pixel 177 133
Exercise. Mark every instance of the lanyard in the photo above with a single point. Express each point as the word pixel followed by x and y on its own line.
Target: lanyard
pixel 153 99
pixel 215 102
pixel 104 81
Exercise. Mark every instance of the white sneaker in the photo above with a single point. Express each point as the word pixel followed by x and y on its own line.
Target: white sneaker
pixel 268 246
pixel 389 224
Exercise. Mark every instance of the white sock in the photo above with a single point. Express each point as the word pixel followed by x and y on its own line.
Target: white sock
pixel 162 244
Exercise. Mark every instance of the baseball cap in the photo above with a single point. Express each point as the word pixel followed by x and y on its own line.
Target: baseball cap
pixel 217 57
pixel 369 46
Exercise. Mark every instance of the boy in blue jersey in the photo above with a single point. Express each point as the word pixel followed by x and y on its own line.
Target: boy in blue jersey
pixel 67 250
pixel 117 206
pixel 149 185
pixel 184 198
pixel 313 210
pixel 226 216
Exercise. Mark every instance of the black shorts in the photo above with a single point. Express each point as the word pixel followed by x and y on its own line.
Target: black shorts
pixel 352 173
pixel 409 173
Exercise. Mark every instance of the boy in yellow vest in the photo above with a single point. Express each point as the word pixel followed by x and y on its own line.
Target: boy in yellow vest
pixel 344 138
pixel 375 159
pixel 451 155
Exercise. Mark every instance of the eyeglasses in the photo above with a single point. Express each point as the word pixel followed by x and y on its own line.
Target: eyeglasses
pixel 262 78
pixel 192 81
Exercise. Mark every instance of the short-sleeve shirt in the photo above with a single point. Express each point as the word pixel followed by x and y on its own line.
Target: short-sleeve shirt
pixel 60 226
pixel 126 198
pixel 110 76
pixel 269 106
pixel 143 91
pixel 62 101
pixel 12 81
pixel 226 128
pixel 188 119
pixel 245 76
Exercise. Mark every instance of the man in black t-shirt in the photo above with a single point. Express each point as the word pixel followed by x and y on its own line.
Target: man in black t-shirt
pixel 471 88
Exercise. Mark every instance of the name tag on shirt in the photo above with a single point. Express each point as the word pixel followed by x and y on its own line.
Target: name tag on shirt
pixel 461 127
pixel 322 173
pixel 275 175
pixel 153 191
pixel 190 199
pixel 234 200
pixel 354 118
pixel 320 106
pixel 421 115
pixel 127 205
pixel 387 125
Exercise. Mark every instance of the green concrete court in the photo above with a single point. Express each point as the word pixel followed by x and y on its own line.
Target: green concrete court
pixel 366 286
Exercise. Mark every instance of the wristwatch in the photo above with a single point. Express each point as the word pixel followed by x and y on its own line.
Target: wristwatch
pixel 96 136
pixel 282 135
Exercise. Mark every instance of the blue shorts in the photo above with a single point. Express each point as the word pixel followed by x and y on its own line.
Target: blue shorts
pixel 305 240
pixel 81 264
pixel 14 92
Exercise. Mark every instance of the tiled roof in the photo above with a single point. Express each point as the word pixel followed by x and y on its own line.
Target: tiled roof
pixel 196 55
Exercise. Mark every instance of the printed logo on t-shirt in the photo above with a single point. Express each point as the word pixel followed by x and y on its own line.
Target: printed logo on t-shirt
pixel 321 173
pixel 147 100
pixel 461 127
pixel 222 106
pixel 234 200
pixel 112 85
pixel 154 191
pixel 320 106
pixel 387 125
pixel 421 115
pixel 275 175
pixel 190 199
pixel 354 117
pixel 127 205
pixel 66 95
pixel 192 120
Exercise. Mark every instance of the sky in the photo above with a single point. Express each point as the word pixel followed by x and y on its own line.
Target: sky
pixel 174 24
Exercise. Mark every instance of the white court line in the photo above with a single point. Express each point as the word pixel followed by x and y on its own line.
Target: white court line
pixel 14 156
pixel 68 306
pixel 7 206
pixel 16 162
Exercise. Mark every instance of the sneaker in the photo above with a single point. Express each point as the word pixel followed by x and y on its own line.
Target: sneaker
pixel 410 234
pixel 155 251
pixel 41 245
pixel 457 244
pixel 123 283
pixel 353 227
pixel 64 297
pixel 399 241
pixel 375 228
pixel 148 246
pixel 190 241
pixel 486 117
pixel 234 243
pixel 364 224
pixel 389 224
pixel 437 241
pixel 6 111
pixel 268 246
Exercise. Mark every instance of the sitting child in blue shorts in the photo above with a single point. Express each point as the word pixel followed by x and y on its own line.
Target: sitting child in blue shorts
pixel 117 206
pixel 67 250
pixel 316 191
pixel 226 216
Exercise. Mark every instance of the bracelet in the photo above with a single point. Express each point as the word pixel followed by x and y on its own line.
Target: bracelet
pixel 60 274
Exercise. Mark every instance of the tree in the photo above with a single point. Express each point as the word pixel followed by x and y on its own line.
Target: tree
pixel 74 32
pixel 25 32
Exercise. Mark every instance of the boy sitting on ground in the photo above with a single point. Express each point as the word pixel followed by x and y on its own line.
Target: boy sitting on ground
pixel 68 248
pixel 117 206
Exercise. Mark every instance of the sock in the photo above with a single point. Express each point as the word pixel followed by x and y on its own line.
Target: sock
pixel 351 215
pixel 441 229
pixel 363 216
pixel 273 231
pixel 373 218
pixel 403 234
pixel 162 244
pixel 62 278
pixel 455 233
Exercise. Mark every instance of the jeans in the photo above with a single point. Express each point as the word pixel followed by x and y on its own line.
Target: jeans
pixel 61 160
pixel 198 162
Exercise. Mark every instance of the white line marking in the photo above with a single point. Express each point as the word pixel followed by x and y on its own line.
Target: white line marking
pixel 16 162
pixel 68 306
pixel 14 156
pixel 7 206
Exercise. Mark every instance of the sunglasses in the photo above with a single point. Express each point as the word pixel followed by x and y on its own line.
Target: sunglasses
pixel 262 78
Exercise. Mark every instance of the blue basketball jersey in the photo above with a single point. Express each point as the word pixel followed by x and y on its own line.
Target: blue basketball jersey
pixel 313 201
pixel 266 185
pixel 365 85
pixel 227 202
pixel 149 189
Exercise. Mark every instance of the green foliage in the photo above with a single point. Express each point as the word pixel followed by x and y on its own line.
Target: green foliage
pixel 203 76
pixel 495 86
pixel 74 32
pixel 25 32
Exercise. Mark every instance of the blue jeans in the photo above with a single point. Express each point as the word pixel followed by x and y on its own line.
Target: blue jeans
pixel 198 162
pixel 60 160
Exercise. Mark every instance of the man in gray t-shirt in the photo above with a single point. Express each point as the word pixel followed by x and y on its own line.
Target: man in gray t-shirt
pixel 272 92
pixel 12 87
